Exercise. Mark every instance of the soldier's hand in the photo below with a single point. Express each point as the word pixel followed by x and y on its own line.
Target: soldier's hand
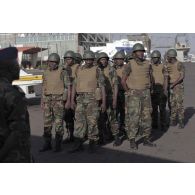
pixel 172 86
pixel 67 105
pixel 103 108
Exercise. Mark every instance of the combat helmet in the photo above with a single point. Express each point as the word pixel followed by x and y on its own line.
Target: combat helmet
pixel 138 47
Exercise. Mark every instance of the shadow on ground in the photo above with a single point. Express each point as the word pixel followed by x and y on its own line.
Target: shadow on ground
pixel 188 114
pixel 103 155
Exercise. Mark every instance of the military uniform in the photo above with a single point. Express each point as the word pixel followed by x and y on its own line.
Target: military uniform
pixel 159 99
pixel 110 120
pixel 54 95
pixel 87 110
pixel 119 59
pixel 159 90
pixel 69 113
pixel 120 100
pixel 138 98
pixel 177 93
pixel 14 123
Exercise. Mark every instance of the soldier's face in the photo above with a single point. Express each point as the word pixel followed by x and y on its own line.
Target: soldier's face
pixel 69 61
pixel 119 62
pixel 139 54
pixel 104 61
pixel 52 65
pixel 155 60
pixel 170 59
pixel 89 62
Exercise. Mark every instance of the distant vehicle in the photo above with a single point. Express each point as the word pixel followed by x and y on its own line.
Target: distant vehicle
pixel 27 83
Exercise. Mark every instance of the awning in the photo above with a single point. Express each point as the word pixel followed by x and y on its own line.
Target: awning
pixel 31 50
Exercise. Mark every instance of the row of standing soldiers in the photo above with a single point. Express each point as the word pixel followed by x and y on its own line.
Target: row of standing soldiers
pixel 100 100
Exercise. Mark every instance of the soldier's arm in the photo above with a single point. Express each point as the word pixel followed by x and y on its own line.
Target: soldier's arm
pixel 73 92
pixel 17 124
pixel 67 85
pixel 101 84
pixel 165 84
pixel 116 83
pixel 43 91
pixel 152 81
pixel 181 69
pixel 126 73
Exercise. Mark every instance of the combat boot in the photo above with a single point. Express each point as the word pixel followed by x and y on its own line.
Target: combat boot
pixel 154 126
pixel 181 125
pixel 147 142
pixel 70 138
pixel 163 128
pixel 173 123
pixel 117 141
pixel 78 146
pixel 92 146
pixel 47 143
pixel 58 143
pixel 133 145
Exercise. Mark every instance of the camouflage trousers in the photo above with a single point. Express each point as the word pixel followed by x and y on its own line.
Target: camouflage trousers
pixel 176 103
pixel 86 116
pixel 120 111
pixel 138 113
pixel 53 114
pixel 159 101
pixel 108 120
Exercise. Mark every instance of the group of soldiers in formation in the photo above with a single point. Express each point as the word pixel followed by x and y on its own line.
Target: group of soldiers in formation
pixel 98 99
pixel 106 100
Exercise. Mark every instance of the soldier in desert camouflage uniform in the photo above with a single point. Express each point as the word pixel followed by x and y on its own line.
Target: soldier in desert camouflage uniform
pixel 55 94
pixel 176 72
pixel 137 82
pixel 108 120
pixel 159 90
pixel 88 79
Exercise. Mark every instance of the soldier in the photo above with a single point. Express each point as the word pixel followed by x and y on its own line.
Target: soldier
pixel 87 81
pixel 108 120
pixel 14 117
pixel 128 57
pixel 69 60
pixel 78 58
pixel 119 58
pixel 55 93
pixel 176 73
pixel 159 90
pixel 136 82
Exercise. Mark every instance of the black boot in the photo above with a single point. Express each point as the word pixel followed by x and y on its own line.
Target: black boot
pixel 58 143
pixel 181 125
pixel 92 146
pixel 147 142
pixel 163 128
pixel 133 145
pixel 47 143
pixel 173 123
pixel 154 126
pixel 78 146
pixel 70 137
pixel 117 140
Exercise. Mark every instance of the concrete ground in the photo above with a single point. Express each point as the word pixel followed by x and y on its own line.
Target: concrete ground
pixel 176 145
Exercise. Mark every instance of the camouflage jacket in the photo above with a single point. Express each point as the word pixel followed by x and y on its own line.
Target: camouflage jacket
pixel 14 124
